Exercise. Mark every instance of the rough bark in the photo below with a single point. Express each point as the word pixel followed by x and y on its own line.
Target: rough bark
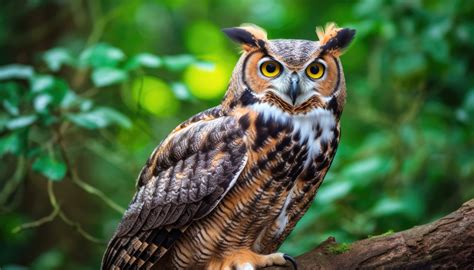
pixel 447 243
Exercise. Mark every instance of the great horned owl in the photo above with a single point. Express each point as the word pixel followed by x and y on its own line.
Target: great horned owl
pixel 227 186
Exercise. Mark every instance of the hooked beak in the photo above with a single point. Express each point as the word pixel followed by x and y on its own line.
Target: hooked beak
pixel 294 87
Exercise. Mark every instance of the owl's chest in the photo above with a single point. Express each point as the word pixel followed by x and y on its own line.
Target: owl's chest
pixel 294 140
pixel 289 156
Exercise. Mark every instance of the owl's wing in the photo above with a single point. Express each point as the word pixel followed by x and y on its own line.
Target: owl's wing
pixel 183 180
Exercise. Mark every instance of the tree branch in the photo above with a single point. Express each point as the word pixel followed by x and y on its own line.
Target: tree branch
pixel 445 243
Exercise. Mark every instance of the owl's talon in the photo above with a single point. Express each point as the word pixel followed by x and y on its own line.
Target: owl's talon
pixel 292 260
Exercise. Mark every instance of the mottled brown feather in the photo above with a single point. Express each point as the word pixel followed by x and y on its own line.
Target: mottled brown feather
pixel 169 200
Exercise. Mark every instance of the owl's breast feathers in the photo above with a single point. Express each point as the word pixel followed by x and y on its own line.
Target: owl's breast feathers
pixel 289 155
pixel 255 165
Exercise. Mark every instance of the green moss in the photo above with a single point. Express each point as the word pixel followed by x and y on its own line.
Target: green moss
pixel 387 233
pixel 338 248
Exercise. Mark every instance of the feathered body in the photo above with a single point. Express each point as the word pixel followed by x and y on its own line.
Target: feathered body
pixel 226 187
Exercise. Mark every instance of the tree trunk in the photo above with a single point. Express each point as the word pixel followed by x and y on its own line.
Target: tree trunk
pixel 445 243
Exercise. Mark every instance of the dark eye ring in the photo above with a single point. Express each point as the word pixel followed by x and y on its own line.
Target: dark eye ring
pixel 315 70
pixel 270 68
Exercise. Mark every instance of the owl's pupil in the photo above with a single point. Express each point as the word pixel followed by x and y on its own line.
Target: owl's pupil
pixel 271 68
pixel 314 69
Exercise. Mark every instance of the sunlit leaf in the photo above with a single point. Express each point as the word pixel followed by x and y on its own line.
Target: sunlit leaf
pixel 101 55
pixel 53 169
pixel 387 206
pixel 178 62
pixel 144 60
pixel 181 91
pixel 108 76
pixel 55 58
pixel 334 191
pixel 115 117
pixel 48 91
pixel 206 65
pixel 362 172
pixel 20 122
pixel 71 101
pixel 16 71
pixel 41 102
pixel 99 118
pixel 42 83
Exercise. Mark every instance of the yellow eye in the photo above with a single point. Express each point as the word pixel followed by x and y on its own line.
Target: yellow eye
pixel 270 68
pixel 315 70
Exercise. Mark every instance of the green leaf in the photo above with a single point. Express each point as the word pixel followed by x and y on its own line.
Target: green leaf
pixel 115 117
pixel 11 108
pixel 10 144
pixel 145 60
pixel 409 64
pixel 73 101
pixel 54 170
pixel 10 96
pixel 178 62
pixel 41 102
pixel 387 206
pixel 42 83
pixel 108 76
pixel 101 55
pixel 362 172
pixel 99 118
pixel 181 91
pixel 48 90
pixel 334 191
pixel 56 58
pixel 20 122
pixel 206 65
pixel 16 71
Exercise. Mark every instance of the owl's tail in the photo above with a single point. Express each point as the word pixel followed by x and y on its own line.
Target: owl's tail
pixel 140 251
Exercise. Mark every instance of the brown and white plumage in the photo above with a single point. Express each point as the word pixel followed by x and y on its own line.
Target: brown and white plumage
pixel 226 187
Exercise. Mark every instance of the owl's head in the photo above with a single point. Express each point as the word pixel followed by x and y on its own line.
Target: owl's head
pixel 294 75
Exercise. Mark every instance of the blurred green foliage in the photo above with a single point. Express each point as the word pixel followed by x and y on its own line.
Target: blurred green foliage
pixel 89 88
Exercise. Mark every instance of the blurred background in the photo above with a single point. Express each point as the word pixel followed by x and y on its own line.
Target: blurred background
pixel 88 88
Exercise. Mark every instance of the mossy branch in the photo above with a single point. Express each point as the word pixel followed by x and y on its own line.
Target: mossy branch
pixel 447 243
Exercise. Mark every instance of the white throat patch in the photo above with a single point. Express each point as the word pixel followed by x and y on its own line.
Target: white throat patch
pixel 306 124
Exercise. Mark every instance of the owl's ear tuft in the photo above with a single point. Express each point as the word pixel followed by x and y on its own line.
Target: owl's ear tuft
pixel 333 39
pixel 249 36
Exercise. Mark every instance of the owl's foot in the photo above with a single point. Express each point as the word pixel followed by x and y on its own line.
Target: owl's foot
pixel 291 260
pixel 249 260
